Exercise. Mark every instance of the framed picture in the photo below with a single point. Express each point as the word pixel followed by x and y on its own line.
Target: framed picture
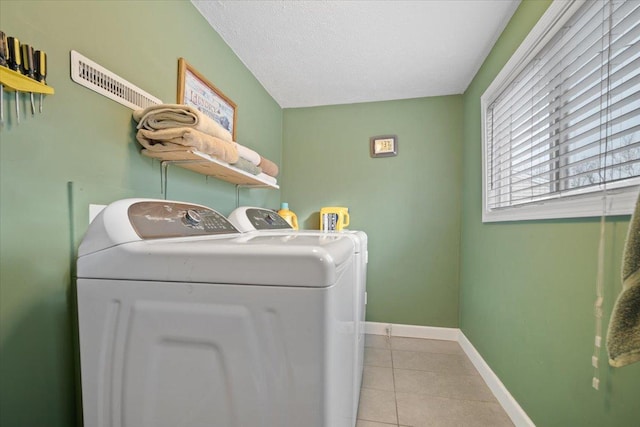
pixel 383 146
pixel 195 90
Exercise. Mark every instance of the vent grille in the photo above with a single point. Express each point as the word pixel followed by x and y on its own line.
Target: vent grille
pixel 87 73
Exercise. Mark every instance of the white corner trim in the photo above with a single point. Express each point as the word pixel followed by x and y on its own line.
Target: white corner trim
pixel 518 416
pixel 507 401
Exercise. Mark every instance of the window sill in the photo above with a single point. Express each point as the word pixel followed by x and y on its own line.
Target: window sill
pixel 618 202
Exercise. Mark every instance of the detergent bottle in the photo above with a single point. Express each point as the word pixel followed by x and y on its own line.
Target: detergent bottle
pixel 334 218
pixel 288 215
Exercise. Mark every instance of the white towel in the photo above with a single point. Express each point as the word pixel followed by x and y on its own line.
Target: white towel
pixel 248 154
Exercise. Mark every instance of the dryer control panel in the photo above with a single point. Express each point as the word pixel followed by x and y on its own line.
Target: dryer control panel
pixel 249 219
pixel 161 219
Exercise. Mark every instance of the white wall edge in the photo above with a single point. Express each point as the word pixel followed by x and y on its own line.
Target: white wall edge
pixel 518 416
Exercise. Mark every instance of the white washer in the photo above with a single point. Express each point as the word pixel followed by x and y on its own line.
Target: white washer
pixel 268 222
pixel 185 321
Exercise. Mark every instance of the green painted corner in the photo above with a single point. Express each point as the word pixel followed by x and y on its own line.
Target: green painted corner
pixel 521 292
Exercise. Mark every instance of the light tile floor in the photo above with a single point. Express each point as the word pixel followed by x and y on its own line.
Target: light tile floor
pixel 411 382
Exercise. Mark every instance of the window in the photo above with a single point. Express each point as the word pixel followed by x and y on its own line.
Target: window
pixel 561 122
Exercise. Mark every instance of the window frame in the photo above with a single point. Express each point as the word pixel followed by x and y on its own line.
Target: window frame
pixel 619 197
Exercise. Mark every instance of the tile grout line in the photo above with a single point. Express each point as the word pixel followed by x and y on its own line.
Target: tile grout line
pixel 393 377
pixel 450 398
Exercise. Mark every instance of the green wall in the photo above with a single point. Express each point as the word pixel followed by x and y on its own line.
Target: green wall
pixel 521 292
pixel 527 288
pixel 82 150
pixel 409 205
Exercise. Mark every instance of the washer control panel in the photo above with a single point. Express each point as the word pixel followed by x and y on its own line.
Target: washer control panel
pixel 265 219
pixel 249 219
pixel 158 219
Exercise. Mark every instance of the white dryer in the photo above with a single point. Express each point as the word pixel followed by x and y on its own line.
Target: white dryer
pixel 267 222
pixel 185 321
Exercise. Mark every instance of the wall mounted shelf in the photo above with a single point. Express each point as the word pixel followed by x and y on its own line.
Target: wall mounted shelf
pixel 206 165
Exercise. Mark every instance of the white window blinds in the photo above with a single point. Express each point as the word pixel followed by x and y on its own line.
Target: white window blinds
pixel 568 122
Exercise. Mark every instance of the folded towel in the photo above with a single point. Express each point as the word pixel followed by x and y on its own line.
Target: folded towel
pixel 247 166
pixel 248 154
pixel 164 116
pixel 175 139
pixel 268 167
pixel 623 336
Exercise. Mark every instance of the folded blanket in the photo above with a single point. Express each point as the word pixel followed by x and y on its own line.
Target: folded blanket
pixel 248 154
pixel 268 167
pixel 247 166
pixel 175 139
pixel 164 116
pixel 623 336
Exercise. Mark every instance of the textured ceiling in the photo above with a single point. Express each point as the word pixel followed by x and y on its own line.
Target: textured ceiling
pixel 308 53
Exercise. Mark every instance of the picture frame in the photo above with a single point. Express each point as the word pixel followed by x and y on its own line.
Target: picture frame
pixel 383 146
pixel 195 90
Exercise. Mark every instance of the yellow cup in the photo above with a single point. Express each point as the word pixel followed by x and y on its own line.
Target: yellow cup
pixel 334 218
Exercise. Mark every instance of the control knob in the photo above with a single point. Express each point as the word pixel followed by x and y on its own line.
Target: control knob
pixel 192 217
pixel 270 219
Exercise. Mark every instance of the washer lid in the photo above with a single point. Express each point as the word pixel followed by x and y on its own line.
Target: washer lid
pixel 131 220
pixel 250 259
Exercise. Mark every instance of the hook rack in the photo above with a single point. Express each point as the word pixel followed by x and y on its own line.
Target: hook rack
pixel 14 81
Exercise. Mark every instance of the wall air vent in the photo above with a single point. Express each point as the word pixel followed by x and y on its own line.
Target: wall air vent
pixel 87 73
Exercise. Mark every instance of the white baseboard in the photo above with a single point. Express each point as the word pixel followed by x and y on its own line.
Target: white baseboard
pixel 508 402
pixel 518 416
pixel 412 331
